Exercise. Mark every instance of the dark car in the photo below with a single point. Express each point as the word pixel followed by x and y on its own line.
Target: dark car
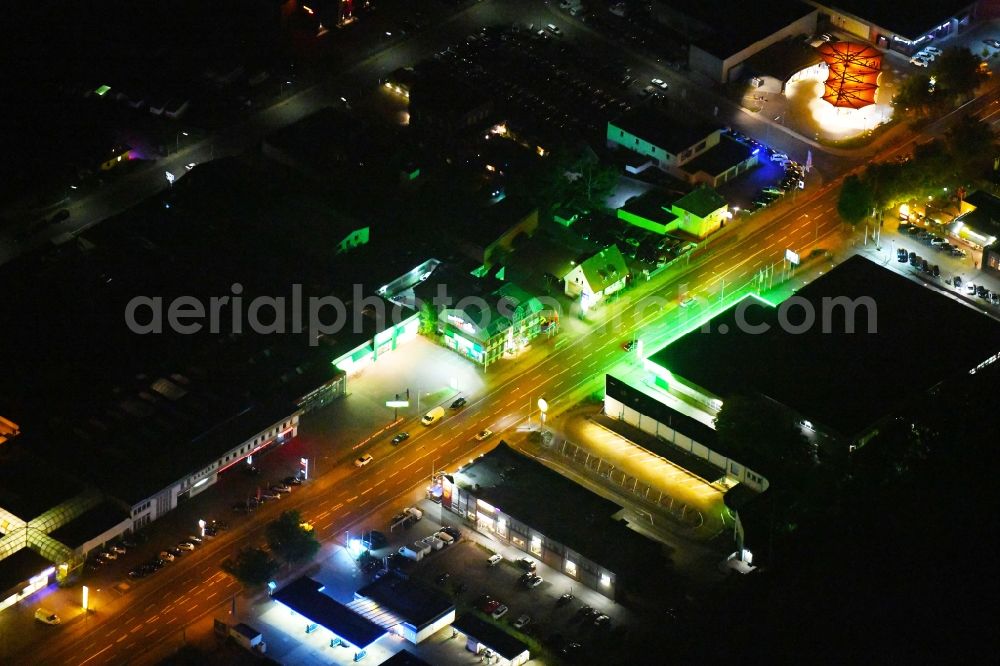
pixel 374 540
pixel 452 532
pixel 459 403
pixel 564 599
pixel 902 256
pixel 400 438
pixel 525 563
pixel 138 572
pixel 293 481
pixel 630 345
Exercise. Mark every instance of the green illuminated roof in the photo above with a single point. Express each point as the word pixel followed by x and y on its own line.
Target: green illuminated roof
pixel 701 202
pixel 605 268
pixel 102 91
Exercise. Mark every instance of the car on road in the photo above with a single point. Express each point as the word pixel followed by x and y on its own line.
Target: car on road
pixel 521 622
pixel 185 545
pixel 361 461
pixel 400 438
pixel 483 435
pixel 46 616
pixel 499 612
pixel 687 302
pixel 459 403
pixel 166 556
pixel 630 345
pixel 564 599
pixel 660 83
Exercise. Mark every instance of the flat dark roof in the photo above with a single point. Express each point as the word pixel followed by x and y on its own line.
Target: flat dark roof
pixel 783 59
pixel 404 658
pixel 329 137
pixel 719 158
pixel 733 25
pixel 562 510
pixel 29 487
pixel 671 131
pixel 89 524
pixel 408 599
pixel 304 597
pixel 911 20
pixel 491 636
pixel 843 381
pixel 19 567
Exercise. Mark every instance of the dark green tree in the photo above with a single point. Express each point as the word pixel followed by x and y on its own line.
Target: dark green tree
pixel 251 566
pixel 957 73
pixel 428 318
pixel 290 538
pixel 856 199
pixel 915 96
pixel 972 147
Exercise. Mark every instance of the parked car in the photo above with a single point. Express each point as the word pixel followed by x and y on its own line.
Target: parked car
pixel 293 480
pixel 565 599
pixel 660 83
pixel 109 555
pixel 400 438
pixel 166 556
pixel 452 532
pixel 459 403
pixel 185 545
pixel 137 573
pixel 919 62
pixel 120 550
pixel 195 539
pixel 281 488
pixel 361 461
pixel 176 552
pixel 494 559
pixel 525 563
pixel 521 622
pixel 499 612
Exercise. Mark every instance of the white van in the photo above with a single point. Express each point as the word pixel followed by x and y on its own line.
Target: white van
pixel 433 416
pixel 46 616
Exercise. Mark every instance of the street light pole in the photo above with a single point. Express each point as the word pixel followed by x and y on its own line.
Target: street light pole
pixel 178 140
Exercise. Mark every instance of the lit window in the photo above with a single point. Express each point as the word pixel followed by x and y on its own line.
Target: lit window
pixel 571 567
pixel 605 580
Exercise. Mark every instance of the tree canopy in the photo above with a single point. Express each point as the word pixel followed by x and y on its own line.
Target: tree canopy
pixel 252 566
pixel 290 538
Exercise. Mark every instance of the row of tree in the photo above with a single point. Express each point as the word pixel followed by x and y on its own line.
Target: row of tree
pixel 289 539
pixel 963 156
pixel 951 79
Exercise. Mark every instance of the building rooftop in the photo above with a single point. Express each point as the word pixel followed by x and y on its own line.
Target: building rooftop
pixel 90 524
pixel 671 131
pixel 438 93
pixel 843 381
pixel 404 658
pixel 330 137
pixel 304 596
pixel 653 205
pixel 701 201
pixel 733 25
pixel 920 16
pixel 719 158
pixel 557 507
pixel 408 599
pixel 783 59
pixel 491 636
pixel 605 268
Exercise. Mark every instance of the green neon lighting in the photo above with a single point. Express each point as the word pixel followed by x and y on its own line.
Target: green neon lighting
pixel 102 91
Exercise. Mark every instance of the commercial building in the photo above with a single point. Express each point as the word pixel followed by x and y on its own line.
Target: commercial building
pixel 681 145
pixel 493 643
pixel 488 235
pixel 404 606
pixel 726 33
pixel 784 62
pixel 697 213
pixel 444 106
pixel 978 222
pixel 830 356
pixel 903 28
pixel 521 502
pixel 597 277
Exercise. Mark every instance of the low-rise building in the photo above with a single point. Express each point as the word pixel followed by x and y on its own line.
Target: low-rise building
pixel 698 213
pixel 978 221
pixel 404 606
pixel 597 277
pixel 512 497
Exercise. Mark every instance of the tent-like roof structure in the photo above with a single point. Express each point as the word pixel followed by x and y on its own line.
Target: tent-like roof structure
pixel 854 70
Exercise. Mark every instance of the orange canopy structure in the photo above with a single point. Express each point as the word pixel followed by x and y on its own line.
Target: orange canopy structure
pixel 853 77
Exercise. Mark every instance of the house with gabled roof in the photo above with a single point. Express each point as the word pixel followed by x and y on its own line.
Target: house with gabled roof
pixel 597 276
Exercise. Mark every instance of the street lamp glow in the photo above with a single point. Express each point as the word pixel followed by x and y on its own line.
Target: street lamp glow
pixel 86 598
pixel 201 526
pixel 542 405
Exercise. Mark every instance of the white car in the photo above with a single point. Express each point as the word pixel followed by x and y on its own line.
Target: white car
pixel 926 55
pixel 660 83
pixel 484 435
pixel 919 62
pixel 363 460
pixel 687 302
pixel 500 612
pixel 164 555
pixel 933 49
pixel 190 165
pixel 779 157
pixel 186 545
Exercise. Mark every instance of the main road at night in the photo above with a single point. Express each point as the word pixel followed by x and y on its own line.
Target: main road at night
pixel 195 585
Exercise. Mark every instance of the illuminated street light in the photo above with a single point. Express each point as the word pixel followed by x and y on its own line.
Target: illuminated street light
pixel 86 598
pixel 201 526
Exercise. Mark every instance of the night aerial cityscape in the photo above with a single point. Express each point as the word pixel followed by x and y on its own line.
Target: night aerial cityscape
pixel 499 332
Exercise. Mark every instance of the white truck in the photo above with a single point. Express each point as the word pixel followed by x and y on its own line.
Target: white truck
pixel 248 637
pixel 433 416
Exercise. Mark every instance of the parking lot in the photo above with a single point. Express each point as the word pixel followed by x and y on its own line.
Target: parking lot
pixel 463 570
